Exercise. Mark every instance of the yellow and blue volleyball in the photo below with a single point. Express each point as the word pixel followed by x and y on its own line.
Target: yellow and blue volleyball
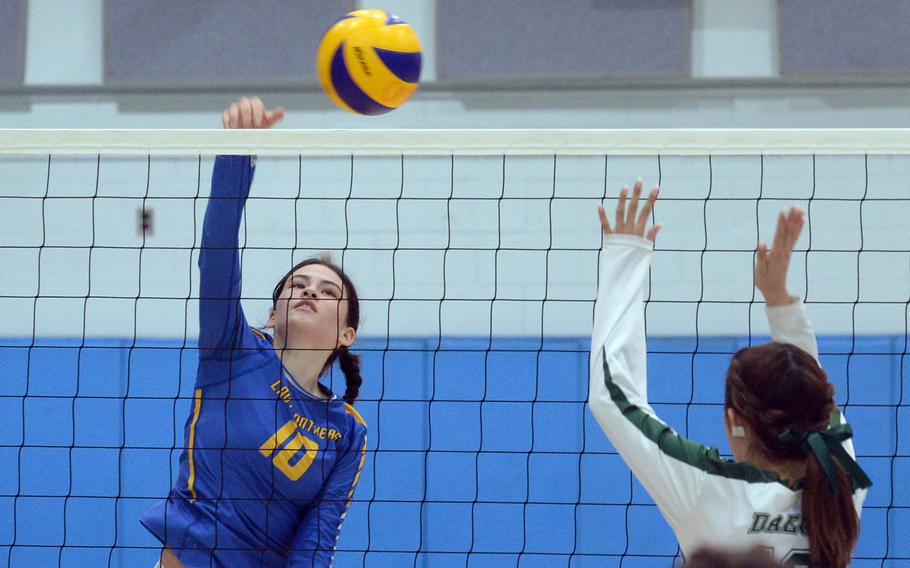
pixel 369 62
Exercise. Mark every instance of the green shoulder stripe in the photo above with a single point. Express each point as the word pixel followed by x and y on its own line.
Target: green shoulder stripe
pixel 682 449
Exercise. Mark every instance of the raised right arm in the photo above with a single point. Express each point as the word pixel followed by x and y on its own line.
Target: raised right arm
pixel 221 319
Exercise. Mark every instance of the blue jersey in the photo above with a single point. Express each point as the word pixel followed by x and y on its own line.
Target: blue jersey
pixel 268 470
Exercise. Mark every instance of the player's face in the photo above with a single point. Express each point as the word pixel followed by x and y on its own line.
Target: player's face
pixel 312 309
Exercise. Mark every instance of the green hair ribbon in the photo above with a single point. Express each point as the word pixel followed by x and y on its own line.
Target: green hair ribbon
pixel 827 445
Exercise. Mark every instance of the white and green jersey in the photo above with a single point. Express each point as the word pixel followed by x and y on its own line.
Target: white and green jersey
pixel 707 499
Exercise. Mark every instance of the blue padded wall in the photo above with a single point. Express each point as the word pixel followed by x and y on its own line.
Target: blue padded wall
pixel 493 461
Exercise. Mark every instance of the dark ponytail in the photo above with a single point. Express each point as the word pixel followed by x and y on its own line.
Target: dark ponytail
pixel 349 363
pixel 777 387
pixel 831 520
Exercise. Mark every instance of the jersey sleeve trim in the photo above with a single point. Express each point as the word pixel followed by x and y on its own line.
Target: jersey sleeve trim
pixel 682 449
pixel 350 410
pixel 363 459
pixel 197 408
pixel 363 450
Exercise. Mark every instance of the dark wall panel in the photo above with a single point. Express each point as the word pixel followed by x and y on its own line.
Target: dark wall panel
pixel 830 37
pixel 212 42
pixel 12 41
pixel 518 39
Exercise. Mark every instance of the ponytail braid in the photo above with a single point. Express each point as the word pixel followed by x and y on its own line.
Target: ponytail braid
pixel 350 366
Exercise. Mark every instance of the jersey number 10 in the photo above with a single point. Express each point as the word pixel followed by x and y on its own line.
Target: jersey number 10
pixel 283 457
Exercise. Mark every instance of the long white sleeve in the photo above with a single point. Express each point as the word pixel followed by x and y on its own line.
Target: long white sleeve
pixel 671 468
pixel 790 324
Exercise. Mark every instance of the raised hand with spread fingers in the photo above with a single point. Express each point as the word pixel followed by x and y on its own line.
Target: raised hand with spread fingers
pixel 626 222
pixel 771 266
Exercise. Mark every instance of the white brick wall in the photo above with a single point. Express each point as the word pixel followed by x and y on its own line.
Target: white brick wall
pixel 434 290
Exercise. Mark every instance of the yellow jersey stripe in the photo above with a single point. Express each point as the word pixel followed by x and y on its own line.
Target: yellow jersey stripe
pixel 363 459
pixel 197 406
pixel 350 410
pixel 363 452
pixel 258 333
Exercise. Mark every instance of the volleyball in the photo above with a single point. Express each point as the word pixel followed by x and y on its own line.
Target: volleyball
pixel 369 62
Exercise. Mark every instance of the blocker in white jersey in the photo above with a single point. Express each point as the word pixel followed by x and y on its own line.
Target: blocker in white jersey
pixel 706 499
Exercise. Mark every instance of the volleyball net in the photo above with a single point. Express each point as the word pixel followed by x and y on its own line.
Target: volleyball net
pixel 476 257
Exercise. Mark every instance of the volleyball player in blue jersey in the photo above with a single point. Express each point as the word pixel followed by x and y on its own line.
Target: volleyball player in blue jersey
pixel 272 455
